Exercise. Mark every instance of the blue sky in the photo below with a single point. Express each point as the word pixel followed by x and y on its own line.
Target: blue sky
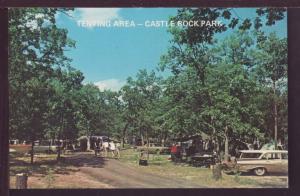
pixel 107 56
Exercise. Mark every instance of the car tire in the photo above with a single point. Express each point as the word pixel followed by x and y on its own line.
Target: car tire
pixel 228 172
pixel 260 171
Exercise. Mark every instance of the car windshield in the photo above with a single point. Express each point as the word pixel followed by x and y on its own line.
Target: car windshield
pixel 250 155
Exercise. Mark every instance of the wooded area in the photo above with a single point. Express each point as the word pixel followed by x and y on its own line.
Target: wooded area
pixel 232 88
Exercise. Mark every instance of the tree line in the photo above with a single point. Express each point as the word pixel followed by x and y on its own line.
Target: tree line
pixel 230 88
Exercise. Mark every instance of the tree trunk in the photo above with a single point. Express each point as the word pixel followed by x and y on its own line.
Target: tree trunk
pixel 275 116
pixel 217 172
pixel 216 145
pixel 226 156
pixel 147 145
pixel 32 151
pixel 123 134
pixel 142 138
pixel 21 181
pixel 59 136
pixel 88 144
pixel 49 147
pixel 58 150
pixel 165 137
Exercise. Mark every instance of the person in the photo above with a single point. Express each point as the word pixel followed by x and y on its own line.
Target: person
pixel 118 146
pixel 176 152
pixel 173 152
pixel 105 147
pixel 112 148
pixel 97 146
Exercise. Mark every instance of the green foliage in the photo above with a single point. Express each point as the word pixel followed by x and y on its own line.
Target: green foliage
pixel 271 72
pixel 140 99
pixel 36 46
pixel 219 87
pixel 229 102
pixel 237 176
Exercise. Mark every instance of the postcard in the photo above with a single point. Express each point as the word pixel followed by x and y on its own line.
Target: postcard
pixel 110 98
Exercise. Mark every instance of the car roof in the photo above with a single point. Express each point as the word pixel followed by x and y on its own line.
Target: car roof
pixel 264 151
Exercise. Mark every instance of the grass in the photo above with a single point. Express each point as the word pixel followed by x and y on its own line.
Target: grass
pixel 161 165
pixel 132 156
pixel 46 172
pixel 50 178
pixel 44 168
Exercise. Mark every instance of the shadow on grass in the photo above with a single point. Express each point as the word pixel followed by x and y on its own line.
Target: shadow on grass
pixel 87 160
pixel 65 166
pixel 267 174
pixel 267 180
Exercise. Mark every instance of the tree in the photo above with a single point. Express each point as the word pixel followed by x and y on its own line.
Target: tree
pixel 233 112
pixel 191 43
pixel 62 122
pixel 224 103
pixel 36 46
pixel 272 71
pixel 139 97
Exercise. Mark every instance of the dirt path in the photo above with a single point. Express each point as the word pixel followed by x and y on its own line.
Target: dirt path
pixel 84 170
pixel 116 174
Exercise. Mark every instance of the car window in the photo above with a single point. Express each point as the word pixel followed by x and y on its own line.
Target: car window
pixel 271 156
pixel 250 155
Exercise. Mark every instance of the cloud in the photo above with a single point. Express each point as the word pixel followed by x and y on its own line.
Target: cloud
pixel 110 84
pixel 97 14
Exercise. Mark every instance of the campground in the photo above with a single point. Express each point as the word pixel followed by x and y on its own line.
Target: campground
pixel 84 170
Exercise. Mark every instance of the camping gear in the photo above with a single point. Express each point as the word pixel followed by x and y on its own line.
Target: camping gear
pixel 203 160
pixel 143 159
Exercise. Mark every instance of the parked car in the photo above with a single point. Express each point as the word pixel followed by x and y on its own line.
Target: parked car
pixel 44 146
pixel 259 162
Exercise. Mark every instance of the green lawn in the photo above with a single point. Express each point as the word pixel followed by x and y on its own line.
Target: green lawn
pixel 161 165
pixel 46 173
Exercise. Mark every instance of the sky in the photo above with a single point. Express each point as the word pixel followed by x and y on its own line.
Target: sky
pixel 107 56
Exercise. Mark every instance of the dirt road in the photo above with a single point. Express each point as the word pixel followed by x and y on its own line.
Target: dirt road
pixel 84 170
pixel 115 174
